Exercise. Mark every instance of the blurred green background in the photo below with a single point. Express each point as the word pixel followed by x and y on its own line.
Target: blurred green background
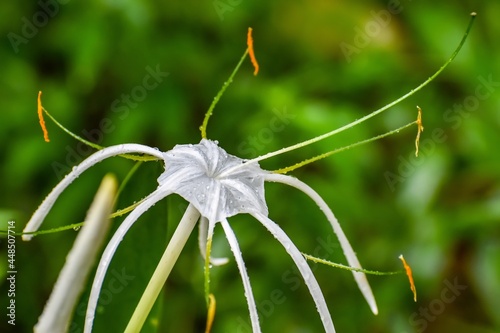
pixel 322 64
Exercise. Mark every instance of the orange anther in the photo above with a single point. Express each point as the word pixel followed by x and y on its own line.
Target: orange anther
pixel 410 277
pixel 251 52
pixel 40 118
pixel 420 129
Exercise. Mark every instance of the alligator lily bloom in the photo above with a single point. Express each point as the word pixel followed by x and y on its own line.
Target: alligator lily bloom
pixel 217 186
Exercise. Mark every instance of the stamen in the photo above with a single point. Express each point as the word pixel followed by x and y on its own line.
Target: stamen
pixel 40 118
pixel 145 158
pixel 410 277
pixel 251 52
pixel 349 268
pixel 207 270
pixel 420 129
pixel 338 150
pixel 374 113
pixel 211 313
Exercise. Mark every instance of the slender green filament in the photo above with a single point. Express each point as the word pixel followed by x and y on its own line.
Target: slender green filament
pixel 333 264
pixel 94 145
pixel 338 150
pixel 374 113
pixel 203 127
pixel 207 271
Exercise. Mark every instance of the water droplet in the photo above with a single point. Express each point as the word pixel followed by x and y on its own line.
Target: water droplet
pixel 76 228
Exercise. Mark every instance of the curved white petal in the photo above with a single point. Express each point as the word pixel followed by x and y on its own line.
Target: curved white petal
pixel 304 269
pixel 202 243
pixel 42 211
pixel 235 248
pixel 110 250
pixel 352 259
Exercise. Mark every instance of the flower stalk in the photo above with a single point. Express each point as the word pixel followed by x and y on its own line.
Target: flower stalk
pixel 59 309
pixel 162 271
pixel 217 186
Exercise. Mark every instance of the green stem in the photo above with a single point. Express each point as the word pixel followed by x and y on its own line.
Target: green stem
pixel 167 261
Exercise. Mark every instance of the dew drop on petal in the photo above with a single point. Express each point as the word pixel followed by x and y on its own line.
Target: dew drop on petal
pixel 200 172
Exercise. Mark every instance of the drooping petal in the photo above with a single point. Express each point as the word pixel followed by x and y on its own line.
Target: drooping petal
pixel 42 211
pixel 110 250
pixel 235 248
pixel 352 259
pixel 304 269
pixel 202 243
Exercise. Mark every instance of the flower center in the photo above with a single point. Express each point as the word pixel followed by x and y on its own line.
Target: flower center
pixel 194 172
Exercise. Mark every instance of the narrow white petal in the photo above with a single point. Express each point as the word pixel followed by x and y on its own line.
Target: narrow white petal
pixel 202 243
pixel 110 250
pixel 57 313
pixel 352 259
pixel 252 307
pixel 202 236
pixel 42 211
pixel 304 269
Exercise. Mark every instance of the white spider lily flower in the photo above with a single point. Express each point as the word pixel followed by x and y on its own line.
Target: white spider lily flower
pixel 217 186
pixel 59 309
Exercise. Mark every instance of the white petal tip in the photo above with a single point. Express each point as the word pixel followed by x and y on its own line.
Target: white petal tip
pixel 219 261
pixel 27 238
